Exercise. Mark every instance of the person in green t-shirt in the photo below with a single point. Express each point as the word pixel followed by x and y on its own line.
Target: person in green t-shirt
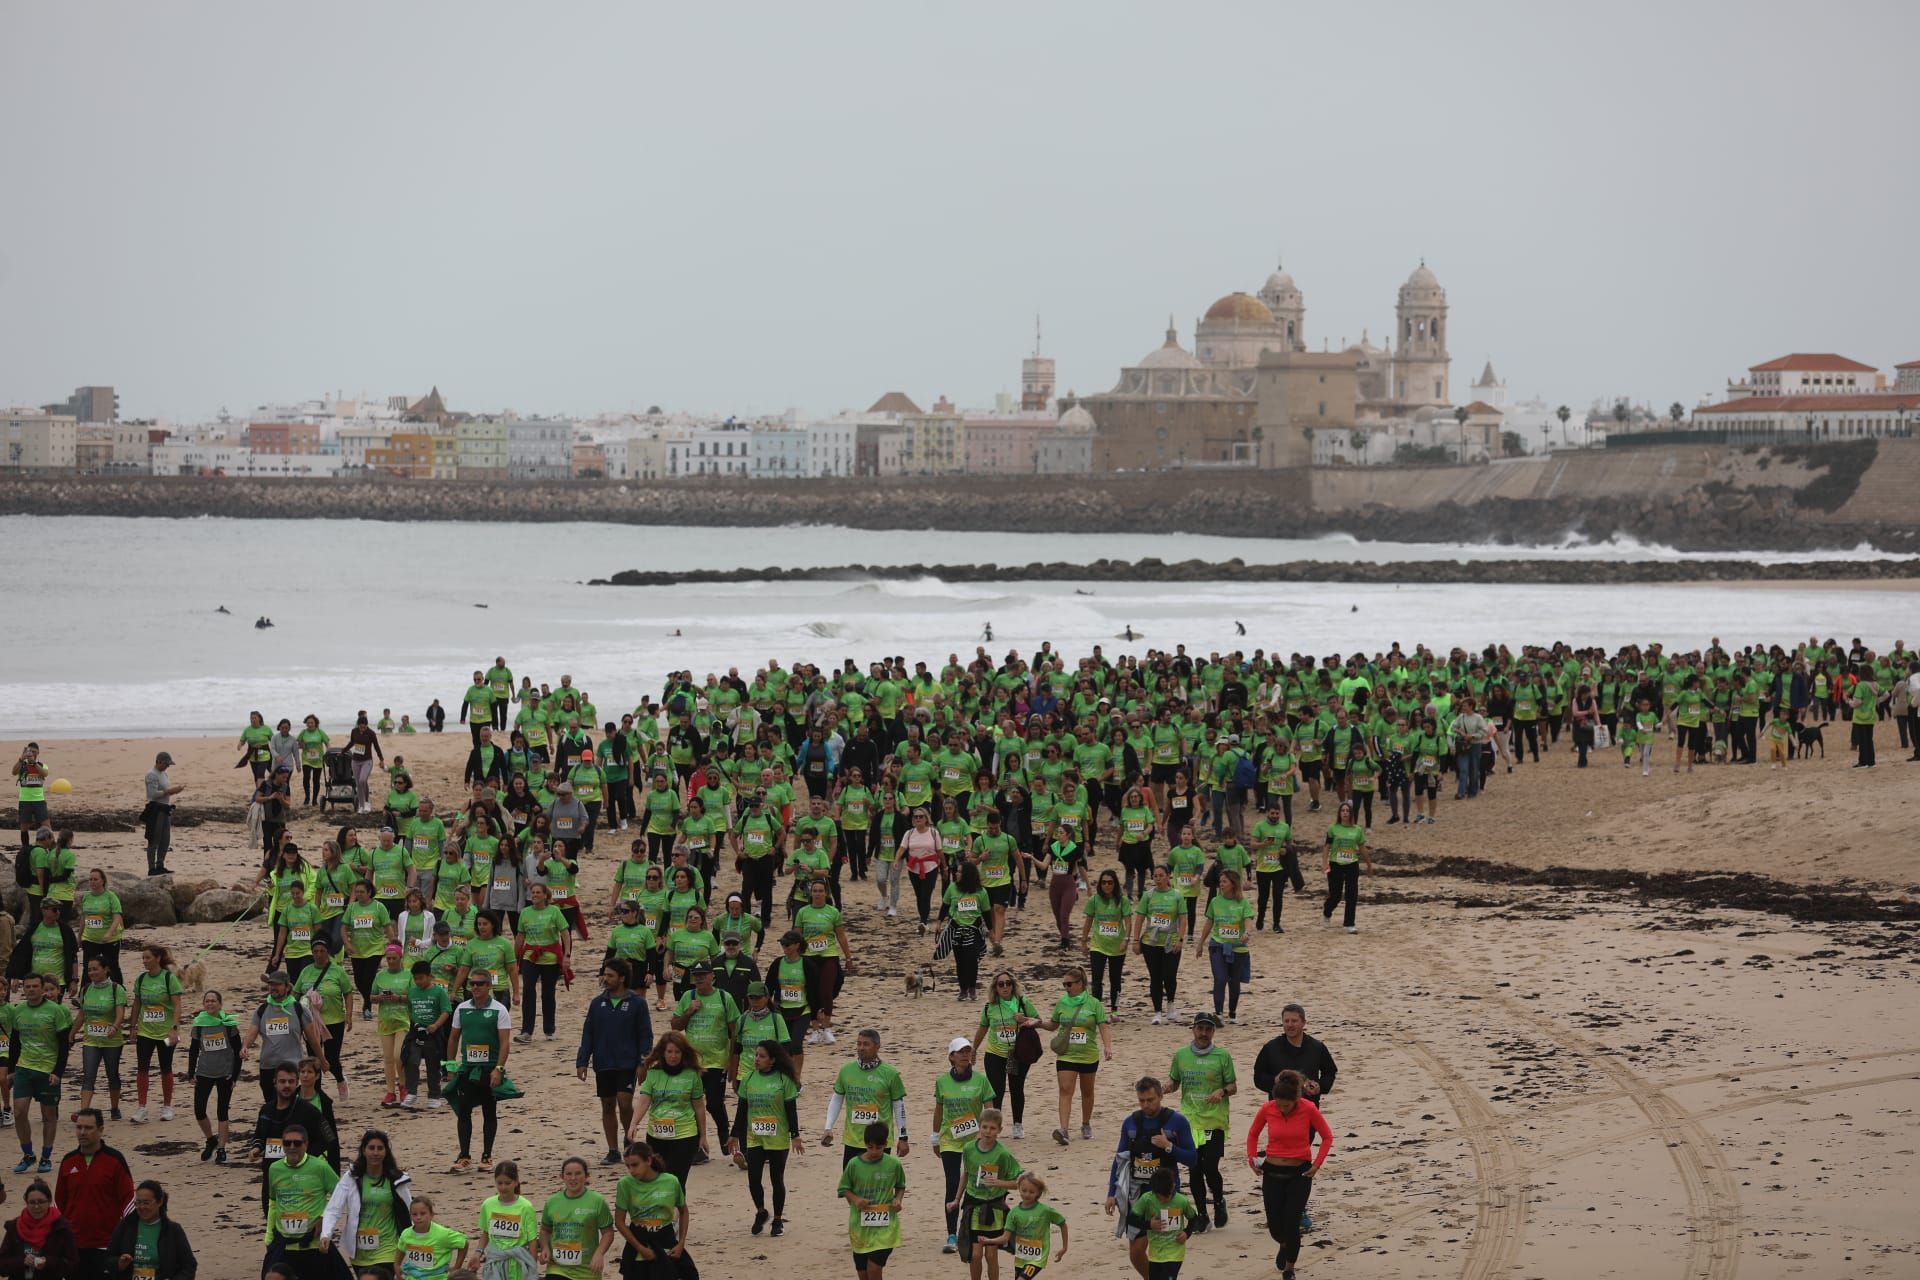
pixel 768 1119
pixel 987 1172
pixel 103 1031
pixel 1028 1230
pixel 1223 940
pixel 576 1227
pixel 1105 929
pixel 426 1250
pixel 298 1188
pixel 1089 1040
pixel 429 1010
pixel 1273 863
pixel 1159 938
pixel 390 1001
pixel 1203 1075
pixel 670 1105
pixel 508 1220
pixel 1347 852
pixel 868 1091
pixel 545 946
pixel 650 1214
pixel 874 1184
pixel 102 922
pixel 1164 1215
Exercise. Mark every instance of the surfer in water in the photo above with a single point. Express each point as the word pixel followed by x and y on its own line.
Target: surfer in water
pixel 1128 633
pixel 262 622
pixel 987 633
pixel 1240 627
pixel 221 609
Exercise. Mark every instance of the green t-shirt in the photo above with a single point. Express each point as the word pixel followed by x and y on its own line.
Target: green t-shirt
pixel 996 858
pixel 1343 843
pixel 787 984
pixel 869 1095
pixel 818 927
pixel 856 808
pixel 662 805
pixel 875 1181
pixel 960 1103
pixel 36 1031
pixel 97 911
pixel 709 1028
pixel 1082 1015
pixel 297 1197
pixel 153 1003
pixel 767 1094
pixel 391 1014
pixel 1160 912
pixel 1229 916
pixel 1199 1075
pixel 1188 863
pixel 965 908
pixel 573 1224
pixel 651 1205
pixel 1108 934
pixel 335 985
pixel 671 1097
pixel 543 927
pixel 1166 1220
pixel 299 922
pixel 1001 1019
pixel 378 1237
pixel 100 1006
pixel 426 1004
pixel 1031 1232
pixel 510 1226
pixel 493 956
pixel 976 1166
pixel 367 929
pixel 1270 845
pixel 428 1255
pixel 631 942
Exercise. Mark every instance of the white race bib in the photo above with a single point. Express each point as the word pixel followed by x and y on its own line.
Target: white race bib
pixel 965 1127
pixel 568 1255
pixel 1028 1249
pixel 503 1228
pixel 763 1127
pixel 879 1219
pixel 660 1128
pixel 479 1054
pixel 294 1224
pixel 1076 1036
pixel 367 1241
pixel 864 1114
pixel 272 1150
pixel 1107 928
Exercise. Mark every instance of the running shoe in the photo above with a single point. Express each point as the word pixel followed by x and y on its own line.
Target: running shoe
pixel 137 1116
pixel 1086 1133
pixel 166 1113
pixel 388 1100
pixel 45 1165
pixel 206 1152
pixel 463 1165
pixel 760 1218
pixel 220 1156
pixel 779 1226
pixel 951 1246
pixel 1059 1136
pixel 1018 1132
pixel 25 1165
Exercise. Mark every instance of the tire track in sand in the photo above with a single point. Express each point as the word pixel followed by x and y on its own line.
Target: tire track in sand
pixel 1500 1217
pixel 1713 1197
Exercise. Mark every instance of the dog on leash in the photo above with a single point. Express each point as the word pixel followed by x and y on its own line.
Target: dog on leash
pixel 921 983
pixel 193 977
pixel 1811 736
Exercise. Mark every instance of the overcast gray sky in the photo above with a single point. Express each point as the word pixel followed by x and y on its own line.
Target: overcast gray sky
pixel 742 207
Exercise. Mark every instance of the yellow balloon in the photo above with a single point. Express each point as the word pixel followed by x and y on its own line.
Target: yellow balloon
pixel 60 786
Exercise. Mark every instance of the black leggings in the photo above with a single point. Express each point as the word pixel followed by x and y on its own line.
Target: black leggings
pixel 923 892
pixel 1004 1070
pixel 1343 881
pixel 539 985
pixel 363 971
pixel 1102 965
pixel 714 1081
pixel 1206 1174
pixel 204 1085
pixel 1163 973
pixel 336 1031
pixel 659 847
pixel 1271 883
pixel 952 1163
pixel 143 1051
pixel 311 788
pixel 966 967
pixel 676 1154
pixel 854 843
pixel 1285 1189
pixel 775 1162
pixel 1363 807
pixel 489 1107
pixel 1400 798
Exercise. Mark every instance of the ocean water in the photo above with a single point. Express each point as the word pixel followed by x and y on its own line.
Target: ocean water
pixel 112 627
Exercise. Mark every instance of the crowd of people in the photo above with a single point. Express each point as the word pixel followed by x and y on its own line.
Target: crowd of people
pixel 1139 809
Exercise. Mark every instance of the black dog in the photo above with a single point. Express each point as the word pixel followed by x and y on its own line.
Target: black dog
pixel 1812 735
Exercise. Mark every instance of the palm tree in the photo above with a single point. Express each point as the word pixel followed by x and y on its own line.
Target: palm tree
pixel 1620 414
pixel 1676 411
pixel 1563 413
pixel 1460 416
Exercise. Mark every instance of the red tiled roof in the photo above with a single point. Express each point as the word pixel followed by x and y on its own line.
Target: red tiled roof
pixel 1813 404
pixel 1911 364
pixel 1818 362
pixel 1480 407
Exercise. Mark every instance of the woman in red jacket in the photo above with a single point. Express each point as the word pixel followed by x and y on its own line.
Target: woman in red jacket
pixel 1288 1123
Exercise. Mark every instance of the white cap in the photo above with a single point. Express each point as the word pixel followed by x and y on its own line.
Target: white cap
pixel 959 1043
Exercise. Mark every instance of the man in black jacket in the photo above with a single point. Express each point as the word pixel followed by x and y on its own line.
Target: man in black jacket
pixel 286 1109
pixel 1294 1050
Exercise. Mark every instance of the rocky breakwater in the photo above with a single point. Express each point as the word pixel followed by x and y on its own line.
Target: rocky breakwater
pixel 1555 571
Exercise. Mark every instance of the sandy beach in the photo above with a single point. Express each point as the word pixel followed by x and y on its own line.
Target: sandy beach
pixel 1594 1024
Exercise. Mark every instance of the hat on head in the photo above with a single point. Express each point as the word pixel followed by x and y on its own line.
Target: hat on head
pixel 166 756
pixel 790 937
pixel 756 989
pixel 699 967
pixel 1207 1016
pixel 278 976
pixel 734 938
pixel 394 949
pixel 959 1043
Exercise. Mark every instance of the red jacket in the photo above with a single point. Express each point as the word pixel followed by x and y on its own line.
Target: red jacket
pixel 94 1195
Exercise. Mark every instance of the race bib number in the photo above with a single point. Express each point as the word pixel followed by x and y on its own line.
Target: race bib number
pixel 272 1150
pixel 503 1228
pixel 156 1015
pixel 419 1258
pixel 657 1128
pixel 277 1024
pixel 97 1029
pixel 965 1127
pixel 1160 922
pixel 1229 932
pixel 96 923
pixel 1005 1035
pixel 143 1271
pixel 294 1224
pixel 985 1174
pixel 1108 928
pixel 300 933
pixel 503 884
pixel 864 1114
pixel 367 1241
pixel 1429 764
pixel 1187 879
pixel 792 993
pixel 1144 1167
pixel 1028 1249
pixel 334 901
pixel 877 1219
pixel 763 1127
pixel 817 945
pixel 479 1054
pixel 1077 1036
pixel 216 1043
pixel 568 1255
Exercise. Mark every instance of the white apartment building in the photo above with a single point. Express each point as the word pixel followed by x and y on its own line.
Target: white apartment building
pixel 778 452
pixel 830 447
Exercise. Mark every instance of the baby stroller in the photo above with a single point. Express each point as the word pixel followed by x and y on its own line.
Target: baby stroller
pixel 339 785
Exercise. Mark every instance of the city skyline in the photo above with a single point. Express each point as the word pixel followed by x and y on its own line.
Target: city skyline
pixel 631 208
